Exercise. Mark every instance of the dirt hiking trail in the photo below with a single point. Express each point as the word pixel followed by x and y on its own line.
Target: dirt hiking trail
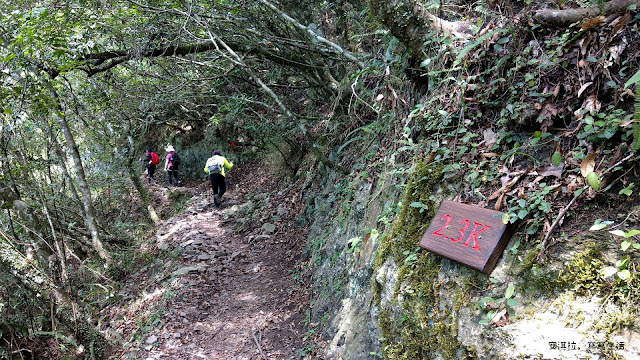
pixel 229 283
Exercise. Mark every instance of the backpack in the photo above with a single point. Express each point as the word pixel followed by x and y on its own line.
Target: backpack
pixel 155 160
pixel 216 168
pixel 175 160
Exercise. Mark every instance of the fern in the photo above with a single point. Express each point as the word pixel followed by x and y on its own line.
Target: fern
pixel 636 121
pixel 479 40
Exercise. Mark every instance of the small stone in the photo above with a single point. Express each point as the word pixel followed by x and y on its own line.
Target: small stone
pixel 202 268
pixel 186 243
pixel 163 246
pixel 176 335
pixel 268 229
pixel 151 339
pixel 282 210
pixel 204 257
pixel 300 221
pixel 184 270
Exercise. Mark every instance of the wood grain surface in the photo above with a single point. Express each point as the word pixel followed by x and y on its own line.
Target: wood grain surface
pixel 468 234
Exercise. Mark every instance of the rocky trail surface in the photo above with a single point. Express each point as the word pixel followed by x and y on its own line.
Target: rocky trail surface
pixel 228 282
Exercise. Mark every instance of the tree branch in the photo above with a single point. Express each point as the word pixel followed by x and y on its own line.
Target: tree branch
pixel 349 56
pixel 570 16
pixel 103 61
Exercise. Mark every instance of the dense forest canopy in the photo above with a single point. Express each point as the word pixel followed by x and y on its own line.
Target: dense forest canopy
pixel 478 86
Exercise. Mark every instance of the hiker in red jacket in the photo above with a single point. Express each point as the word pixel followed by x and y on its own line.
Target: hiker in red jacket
pixel 151 161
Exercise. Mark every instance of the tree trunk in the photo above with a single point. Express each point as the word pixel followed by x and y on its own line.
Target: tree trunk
pixel 569 16
pixel 59 248
pixel 89 217
pixel 144 195
pixel 30 222
pixel 63 165
pixel 412 24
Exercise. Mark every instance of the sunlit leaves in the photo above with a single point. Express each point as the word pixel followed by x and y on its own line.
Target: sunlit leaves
pixel 599 225
pixel 625 234
pixel 627 190
pixel 620 269
pixel 594 181
pixel 556 158
pixel 634 79
pixel 609 271
pixel 510 290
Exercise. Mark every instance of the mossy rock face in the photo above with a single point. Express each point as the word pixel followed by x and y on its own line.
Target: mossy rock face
pixel 431 308
pixel 341 255
pixel 425 307
pixel 424 186
pixel 563 300
pixel 413 322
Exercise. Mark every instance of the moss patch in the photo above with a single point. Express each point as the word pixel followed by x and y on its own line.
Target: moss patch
pixel 584 274
pixel 412 223
pixel 422 330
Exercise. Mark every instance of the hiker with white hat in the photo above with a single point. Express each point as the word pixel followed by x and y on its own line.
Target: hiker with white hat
pixel 171 164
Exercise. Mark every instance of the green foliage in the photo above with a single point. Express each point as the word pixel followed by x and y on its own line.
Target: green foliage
pixel 534 209
pixel 625 268
pixel 621 269
pixel 556 159
pixel 627 190
pixel 419 205
pixel 633 80
pixel 593 180
pixel 497 309
pixel 605 125
pixel 636 117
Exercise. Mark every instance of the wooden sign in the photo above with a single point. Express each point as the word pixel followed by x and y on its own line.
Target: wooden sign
pixel 467 234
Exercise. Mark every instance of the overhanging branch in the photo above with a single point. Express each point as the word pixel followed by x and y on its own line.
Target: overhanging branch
pixel 99 62
pixel 103 61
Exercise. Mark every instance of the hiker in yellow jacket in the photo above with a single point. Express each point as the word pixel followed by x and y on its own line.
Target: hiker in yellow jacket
pixel 215 168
